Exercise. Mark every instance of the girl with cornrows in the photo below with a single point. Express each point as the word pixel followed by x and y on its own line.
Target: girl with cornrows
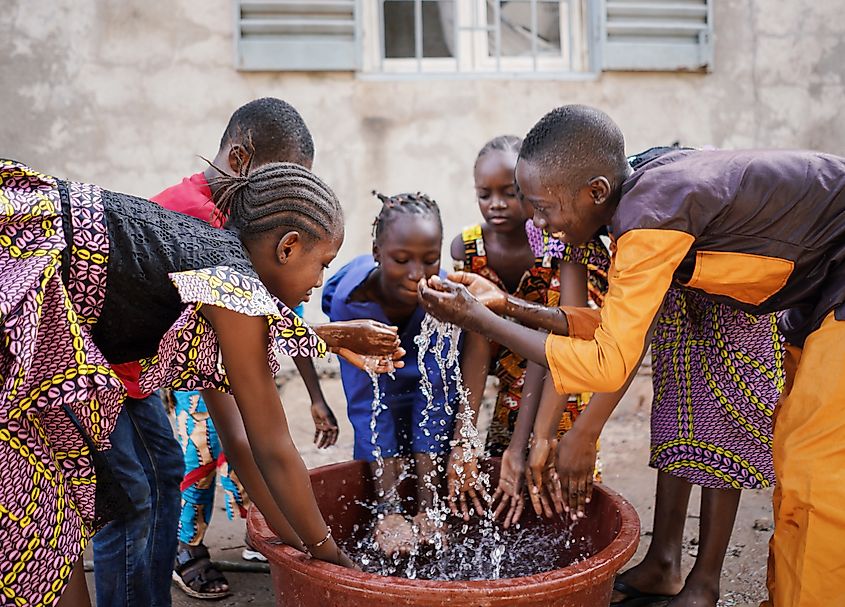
pixel 406 248
pixel 91 278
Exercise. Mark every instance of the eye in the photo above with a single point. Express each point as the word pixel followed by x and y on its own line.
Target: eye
pixel 400 260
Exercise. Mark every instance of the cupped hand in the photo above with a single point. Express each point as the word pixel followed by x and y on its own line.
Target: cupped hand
pixel 543 482
pixel 576 464
pixel 325 425
pixel 509 492
pixel 463 479
pixel 394 534
pixel 429 531
pixel 364 336
pixel 450 302
pixel 384 364
pixel 484 290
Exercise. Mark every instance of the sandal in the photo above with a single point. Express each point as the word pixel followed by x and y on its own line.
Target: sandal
pixel 637 598
pixel 195 574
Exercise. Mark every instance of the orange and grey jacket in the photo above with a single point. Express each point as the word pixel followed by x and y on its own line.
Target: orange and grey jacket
pixel 762 231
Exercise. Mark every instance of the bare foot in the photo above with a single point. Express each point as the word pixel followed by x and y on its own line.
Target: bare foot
pixel 394 534
pixel 696 595
pixel 650 578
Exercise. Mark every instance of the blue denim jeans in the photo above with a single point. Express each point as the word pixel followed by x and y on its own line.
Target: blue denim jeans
pixel 133 558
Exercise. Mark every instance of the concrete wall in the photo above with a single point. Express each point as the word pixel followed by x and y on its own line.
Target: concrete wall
pixel 126 93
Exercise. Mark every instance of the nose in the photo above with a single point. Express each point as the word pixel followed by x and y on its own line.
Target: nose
pixel 416 272
pixel 498 203
pixel 319 282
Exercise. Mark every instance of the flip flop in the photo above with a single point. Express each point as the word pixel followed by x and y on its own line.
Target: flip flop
pixel 637 598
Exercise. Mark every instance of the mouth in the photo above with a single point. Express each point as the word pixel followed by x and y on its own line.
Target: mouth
pixel 307 297
pixel 499 220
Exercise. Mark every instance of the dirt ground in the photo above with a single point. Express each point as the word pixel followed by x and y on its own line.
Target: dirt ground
pixel 625 456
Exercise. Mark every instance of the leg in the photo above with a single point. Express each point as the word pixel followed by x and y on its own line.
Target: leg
pixel 75 593
pixel 121 576
pixel 660 571
pixel 718 512
pixel 163 464
pixel 806 551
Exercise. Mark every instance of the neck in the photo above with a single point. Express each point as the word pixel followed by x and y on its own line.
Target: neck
pixel 516 236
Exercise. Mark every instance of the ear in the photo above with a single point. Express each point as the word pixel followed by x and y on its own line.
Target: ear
pixel 599 188
pixel 376 254
pixel 287 245
pixel 238 158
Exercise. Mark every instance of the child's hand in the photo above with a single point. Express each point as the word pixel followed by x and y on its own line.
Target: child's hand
pixel 543 482
pixel 394 534
pixel 365 336
pixel 482 289
pixel 386 364
pixel 511 478
pixel 576 464
pixel 427 530
pixel 325 425
pixel 450 302
pixel 463 478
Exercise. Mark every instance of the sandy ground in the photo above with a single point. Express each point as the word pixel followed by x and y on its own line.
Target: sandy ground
pixel 625 456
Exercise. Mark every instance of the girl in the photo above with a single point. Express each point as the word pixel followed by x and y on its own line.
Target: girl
pixel 92 278
pixel 406 249
pixel 506 251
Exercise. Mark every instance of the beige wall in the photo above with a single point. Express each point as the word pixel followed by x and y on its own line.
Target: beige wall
pixel 126 93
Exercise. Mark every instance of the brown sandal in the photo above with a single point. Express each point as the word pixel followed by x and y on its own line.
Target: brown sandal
pixel 196 575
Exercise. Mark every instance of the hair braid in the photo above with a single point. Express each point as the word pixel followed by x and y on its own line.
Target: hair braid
pixel 278 195
pixel 404 204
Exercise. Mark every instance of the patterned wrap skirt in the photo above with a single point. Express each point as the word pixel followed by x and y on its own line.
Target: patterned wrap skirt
pixel 59 398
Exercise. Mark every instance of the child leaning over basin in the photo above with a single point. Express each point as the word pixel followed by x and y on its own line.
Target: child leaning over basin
pixel 210 313
pixel 408 234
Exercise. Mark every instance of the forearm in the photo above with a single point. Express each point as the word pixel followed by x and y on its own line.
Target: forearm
pixel 232 434
pixel 528 343
pixel 528 405
pixel 536 316
pixel 552 406
pixel 305 366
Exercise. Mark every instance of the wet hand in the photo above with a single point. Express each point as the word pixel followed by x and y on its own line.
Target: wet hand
pixel 542 478
pixel 576 464
pixel 463 479
pixel 384 364
pixel 509 492
pixel 394 534
pixel 364 336
pixel 450 302
pixel 429 531
pixel 325 425
pixel 482 289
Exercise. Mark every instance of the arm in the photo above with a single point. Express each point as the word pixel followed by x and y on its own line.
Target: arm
pixel 325 423
pixel 365 336
pixel 458 252
pixel 462 467
pixel 243 345
pixel 230 426
pixel 639 277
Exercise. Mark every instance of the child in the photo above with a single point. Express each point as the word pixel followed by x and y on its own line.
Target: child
pixel 92 278
pixel 499 250
pixel 264 130
pixel 406 249
pixel 734 227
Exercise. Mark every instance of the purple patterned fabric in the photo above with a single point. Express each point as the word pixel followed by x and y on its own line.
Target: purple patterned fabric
pixel 48 361
pixel 717 375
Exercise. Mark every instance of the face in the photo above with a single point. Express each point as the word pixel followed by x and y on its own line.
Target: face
pixel 408 250
pixel 571 213
pixel 496 191
pixel 291 267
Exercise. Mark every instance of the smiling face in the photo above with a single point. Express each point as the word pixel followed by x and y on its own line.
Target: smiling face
pixel 407 250
pixel 575 212
pixel 496 191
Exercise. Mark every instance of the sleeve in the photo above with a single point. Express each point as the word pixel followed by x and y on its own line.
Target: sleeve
pixel 639 277
pixel 330 288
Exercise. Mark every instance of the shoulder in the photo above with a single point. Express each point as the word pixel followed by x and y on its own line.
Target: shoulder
pixel 457 249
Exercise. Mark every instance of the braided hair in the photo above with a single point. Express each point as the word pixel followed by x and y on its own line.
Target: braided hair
pixel 280 194
pixel 403 204
pixel 502 143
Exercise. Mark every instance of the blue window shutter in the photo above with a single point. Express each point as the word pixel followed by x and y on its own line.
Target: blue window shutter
pixel 669 35
pixel 321 35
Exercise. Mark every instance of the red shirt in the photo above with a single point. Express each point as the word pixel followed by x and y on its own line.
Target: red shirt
pixel 192 197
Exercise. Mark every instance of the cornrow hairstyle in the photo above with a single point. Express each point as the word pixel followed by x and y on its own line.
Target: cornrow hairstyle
pixel 575 143
pixel 403 204
pixel 276 195
pixel 502 143
pixel 277 130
